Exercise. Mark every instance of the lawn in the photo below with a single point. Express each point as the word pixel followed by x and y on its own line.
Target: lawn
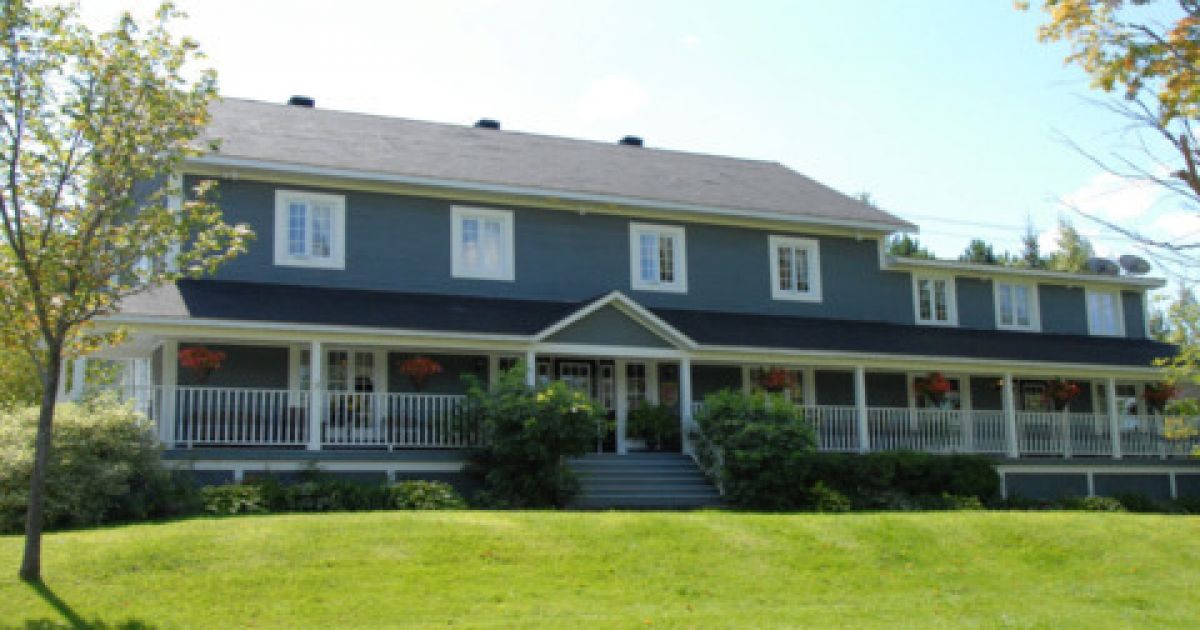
pixel 702 569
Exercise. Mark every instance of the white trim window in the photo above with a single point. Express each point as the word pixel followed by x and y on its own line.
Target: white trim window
pixel 310 229
pixel 482 243
pixel 795 268
pixel 934 300
pixel 1017 306
pixel 1104 313
pixel 657 258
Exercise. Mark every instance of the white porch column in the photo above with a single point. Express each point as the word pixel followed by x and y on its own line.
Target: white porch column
pixel 810 387
pixel 61 394
pixel 1114 421
pixel 78 378
pixel 685 404
pixel 747 386
pixel 316 385
pixel 622 403
pixel 493 374
pixel 860 409
pixel 530 368
pixel 968 413
pixel 1010 417
pixel 169 379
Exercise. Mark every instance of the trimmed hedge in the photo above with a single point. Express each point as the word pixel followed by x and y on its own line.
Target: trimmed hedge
pixel 320 494
pixel 904 479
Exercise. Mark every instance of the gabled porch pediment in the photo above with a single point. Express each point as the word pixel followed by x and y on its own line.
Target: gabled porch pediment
pixel 615 320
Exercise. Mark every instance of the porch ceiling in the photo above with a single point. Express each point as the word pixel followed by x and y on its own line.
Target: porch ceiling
pixel 381 311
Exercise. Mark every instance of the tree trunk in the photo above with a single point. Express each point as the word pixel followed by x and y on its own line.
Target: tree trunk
pixel 31 563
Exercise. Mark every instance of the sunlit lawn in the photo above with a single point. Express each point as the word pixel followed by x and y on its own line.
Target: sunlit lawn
pixel 703 569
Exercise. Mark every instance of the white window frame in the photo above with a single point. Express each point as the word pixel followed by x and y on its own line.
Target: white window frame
pixel 459 267
pixel 337 242
pixel 813 247
pixel 679 258
pixel 1118 306
pixel 951 299
pixel 1035 311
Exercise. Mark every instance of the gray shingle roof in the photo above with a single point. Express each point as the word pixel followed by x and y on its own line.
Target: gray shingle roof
pixel 386 146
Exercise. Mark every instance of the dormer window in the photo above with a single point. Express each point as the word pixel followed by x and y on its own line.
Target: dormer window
pixel 1017 306
pixel 934 299
pixel 795 269
pixel 310 229
pixel 1104 313
pixel 658 258
pixel 482 242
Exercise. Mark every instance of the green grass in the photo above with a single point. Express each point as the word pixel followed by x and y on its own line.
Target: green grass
pixel 532 569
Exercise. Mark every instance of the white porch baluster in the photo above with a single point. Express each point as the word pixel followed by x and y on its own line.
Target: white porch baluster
pixel 685 403
pixel 1114 421
pixel 860 407
pixel 78 376
pixel 530 368
pixel 315 382
pixel 1010 417
pixel 170 381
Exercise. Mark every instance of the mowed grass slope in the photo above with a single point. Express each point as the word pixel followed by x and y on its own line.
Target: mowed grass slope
pixel 704 569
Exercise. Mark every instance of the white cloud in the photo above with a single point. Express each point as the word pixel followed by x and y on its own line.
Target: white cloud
pixel 1114 198
pixel 691 41
pixel 611 97
pixel 1178 225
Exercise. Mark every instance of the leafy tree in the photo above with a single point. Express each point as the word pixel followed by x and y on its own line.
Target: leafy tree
pixel 1182 328
pixel 1153 65
pixel 90 122
pixel 1031 250
pixel 1073 251
pixel 908 247
pixel 979 251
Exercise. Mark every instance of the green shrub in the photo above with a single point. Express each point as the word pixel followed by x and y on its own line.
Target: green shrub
pixel 904 480
pixel 1185 505
pixel 425 495
pixel 528 434
pixel 1091 504
pixel 233 499
pixel 1138 502
pixel 826 499
pixel 755 445
pixel 104 467
pixel 658 424
pixel 315 491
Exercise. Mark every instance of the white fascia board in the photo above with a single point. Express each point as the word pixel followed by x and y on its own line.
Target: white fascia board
pixel 502 189
pixel 990 271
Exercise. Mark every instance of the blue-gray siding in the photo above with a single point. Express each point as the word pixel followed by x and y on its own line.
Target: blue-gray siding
pixel 1155 486
pixel 256 367
pixel 985 396
pixel 403 244
pixel 1135 315
pixel 1046 485
pixel 455 367
pixel 708 379
pixel 609 326
pixel 975 303
pixel 1063 310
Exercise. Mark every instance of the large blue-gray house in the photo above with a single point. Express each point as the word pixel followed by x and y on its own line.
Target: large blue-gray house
pixel 637 275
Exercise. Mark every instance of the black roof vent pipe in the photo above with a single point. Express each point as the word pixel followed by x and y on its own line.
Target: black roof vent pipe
pixel 302 101
pixel 487 123
pixel 631 141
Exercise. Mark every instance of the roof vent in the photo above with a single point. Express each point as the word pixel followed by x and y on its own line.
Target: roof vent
pixel 487 123
pixel 302 101
pixel 631 141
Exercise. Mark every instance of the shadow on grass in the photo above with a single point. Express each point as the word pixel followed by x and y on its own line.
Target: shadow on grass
pixel 70 618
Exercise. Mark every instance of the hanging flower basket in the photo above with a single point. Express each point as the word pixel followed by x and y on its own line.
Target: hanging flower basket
pixel 1158 395
pixel 201 361
pixel 775 379
pixel 419 369
pixel 933 387
pixel 1061 393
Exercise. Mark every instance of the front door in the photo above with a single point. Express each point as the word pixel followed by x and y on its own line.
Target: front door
pixel 350 379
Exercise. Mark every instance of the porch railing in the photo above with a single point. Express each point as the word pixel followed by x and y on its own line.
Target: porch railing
pixel 399 420
pixel 1043 434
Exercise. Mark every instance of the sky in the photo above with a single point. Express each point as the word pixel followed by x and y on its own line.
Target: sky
pixel 950 114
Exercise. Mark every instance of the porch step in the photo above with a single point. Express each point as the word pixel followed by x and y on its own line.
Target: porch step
pixel 642 481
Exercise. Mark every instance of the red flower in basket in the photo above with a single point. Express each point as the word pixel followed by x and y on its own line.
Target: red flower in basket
pixel 200 360
pixel 776 379
pixel 1157 395
pixel 1062 392
pixel 935 386
pixel 419 369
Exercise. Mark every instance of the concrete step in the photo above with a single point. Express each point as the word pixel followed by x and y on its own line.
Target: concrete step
pixel 642 481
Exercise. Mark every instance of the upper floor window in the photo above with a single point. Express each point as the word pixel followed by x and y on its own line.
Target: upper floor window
pixel 934 298
pixel 1104 313
pixel 658 257
pixel 482 241
pixel 795 268
pixel 310 229
pixel 1017 306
